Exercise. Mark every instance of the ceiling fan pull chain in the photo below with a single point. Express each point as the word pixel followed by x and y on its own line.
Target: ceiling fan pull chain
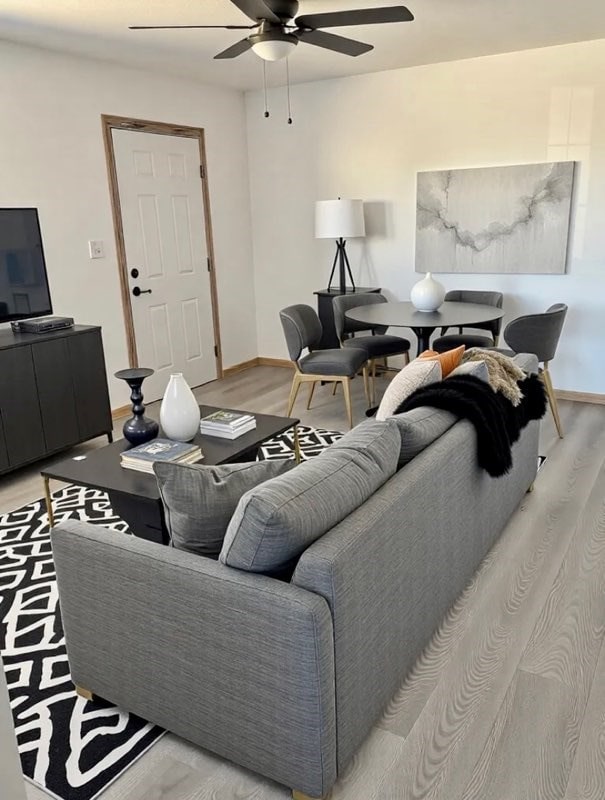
pixel 265 88
pixel 288 85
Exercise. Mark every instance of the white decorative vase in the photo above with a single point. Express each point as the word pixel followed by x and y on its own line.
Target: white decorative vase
pixel 179 412
pixel 427 294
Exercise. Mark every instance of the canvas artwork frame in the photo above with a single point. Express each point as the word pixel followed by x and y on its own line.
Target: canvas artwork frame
pixel 502 220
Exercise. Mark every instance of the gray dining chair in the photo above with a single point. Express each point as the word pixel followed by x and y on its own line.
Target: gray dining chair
pixel 303 330
pixel 450 341
pixel 378 344
pixel 539 334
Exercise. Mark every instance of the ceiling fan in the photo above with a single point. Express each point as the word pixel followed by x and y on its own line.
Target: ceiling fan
pixel 278 30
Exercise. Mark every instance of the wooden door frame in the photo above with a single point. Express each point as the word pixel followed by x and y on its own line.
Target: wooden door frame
pixel 109 122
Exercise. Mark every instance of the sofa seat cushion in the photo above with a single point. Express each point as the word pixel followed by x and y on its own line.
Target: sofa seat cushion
pixel 274 523
pixel 334 362
pixel 453 340
pixel 199 500
pixel 380 345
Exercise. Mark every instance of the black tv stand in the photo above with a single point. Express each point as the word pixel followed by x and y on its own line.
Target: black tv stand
pixel 53 393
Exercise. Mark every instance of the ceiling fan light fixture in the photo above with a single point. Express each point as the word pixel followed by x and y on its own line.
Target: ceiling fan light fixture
pixel 273 46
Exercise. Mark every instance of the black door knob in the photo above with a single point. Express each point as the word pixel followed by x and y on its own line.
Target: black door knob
pixel 137 291
pixel 134 273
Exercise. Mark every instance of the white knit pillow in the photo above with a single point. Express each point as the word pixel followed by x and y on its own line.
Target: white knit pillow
pixel 420 372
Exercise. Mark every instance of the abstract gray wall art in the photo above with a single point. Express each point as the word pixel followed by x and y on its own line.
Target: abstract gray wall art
pixel 494 219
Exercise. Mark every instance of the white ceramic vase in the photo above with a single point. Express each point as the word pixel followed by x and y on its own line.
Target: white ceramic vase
pixel 179 412
pixel 427 294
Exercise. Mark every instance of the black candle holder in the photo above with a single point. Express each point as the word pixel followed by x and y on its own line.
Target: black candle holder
pixel 139 428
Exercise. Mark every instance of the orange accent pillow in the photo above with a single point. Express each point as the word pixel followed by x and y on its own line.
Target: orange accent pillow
pixel 448 360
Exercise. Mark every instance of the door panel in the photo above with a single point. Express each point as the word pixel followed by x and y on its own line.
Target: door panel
pixel 190 313
pixel 165 239
pixel 162 344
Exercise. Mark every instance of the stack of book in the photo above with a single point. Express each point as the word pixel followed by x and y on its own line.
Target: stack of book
pixel 227 424
pixel 143 457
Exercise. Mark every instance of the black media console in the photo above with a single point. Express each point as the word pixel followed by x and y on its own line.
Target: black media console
pixel 53 393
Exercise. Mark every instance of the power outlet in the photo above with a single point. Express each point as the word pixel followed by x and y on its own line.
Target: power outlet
pixel 96 249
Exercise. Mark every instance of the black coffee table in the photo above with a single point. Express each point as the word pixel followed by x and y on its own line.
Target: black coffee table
pixel 134 495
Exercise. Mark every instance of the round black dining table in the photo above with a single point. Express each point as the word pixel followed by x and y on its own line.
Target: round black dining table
pixel 423 323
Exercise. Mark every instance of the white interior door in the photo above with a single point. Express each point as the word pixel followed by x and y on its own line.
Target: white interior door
pixel 165 240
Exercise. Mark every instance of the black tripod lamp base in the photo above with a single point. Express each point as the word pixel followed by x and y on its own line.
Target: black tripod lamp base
pixel 343 267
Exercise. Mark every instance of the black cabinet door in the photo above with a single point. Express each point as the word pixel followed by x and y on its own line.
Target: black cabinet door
pixel 4 465
pixel 56 394
pixel 87 364
pixel 21 418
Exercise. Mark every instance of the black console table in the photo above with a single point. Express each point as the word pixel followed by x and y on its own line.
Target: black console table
pixel 325 311
pixel 53 393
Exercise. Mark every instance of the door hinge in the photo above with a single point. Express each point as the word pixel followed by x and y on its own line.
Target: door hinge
pixel 216 351
pixel 209 264
pixel 202 172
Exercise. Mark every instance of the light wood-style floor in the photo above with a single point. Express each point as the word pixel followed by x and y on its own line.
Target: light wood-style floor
pixel 508 700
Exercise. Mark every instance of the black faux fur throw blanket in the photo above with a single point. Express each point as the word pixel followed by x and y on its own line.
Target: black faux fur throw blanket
pixel 498 423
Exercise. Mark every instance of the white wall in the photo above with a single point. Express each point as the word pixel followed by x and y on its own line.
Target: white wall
pixel 367 136
pixel 52 157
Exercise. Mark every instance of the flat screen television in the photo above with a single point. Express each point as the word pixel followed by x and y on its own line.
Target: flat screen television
pixel 24 290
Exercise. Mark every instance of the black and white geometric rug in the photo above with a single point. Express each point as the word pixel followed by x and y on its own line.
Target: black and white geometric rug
pixel 312 442
pixel 71 748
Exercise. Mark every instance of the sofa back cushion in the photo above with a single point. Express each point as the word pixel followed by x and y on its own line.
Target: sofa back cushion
pixel 274 523
pixel 419 428
pixel 200 500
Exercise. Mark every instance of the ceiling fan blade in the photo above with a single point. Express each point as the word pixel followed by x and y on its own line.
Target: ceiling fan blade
pixel 361 16
pixel 256 10
pixel 339 44
pixel 235 50
pixel 185 27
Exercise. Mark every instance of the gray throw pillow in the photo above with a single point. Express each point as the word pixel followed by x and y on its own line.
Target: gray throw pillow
pixel 273 524
pixel 200 500
pixel 478 369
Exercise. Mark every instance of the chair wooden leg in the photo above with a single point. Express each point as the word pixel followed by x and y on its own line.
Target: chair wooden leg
pixel 346 386
pixel 85 693
pixel 300 796
pixel 373 381
pixel 311 390
pixel 552 400
pixel 293 393
pixel 366 386
pixel 334 388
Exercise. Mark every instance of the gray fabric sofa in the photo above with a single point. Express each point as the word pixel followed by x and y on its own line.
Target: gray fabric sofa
pixel 287 678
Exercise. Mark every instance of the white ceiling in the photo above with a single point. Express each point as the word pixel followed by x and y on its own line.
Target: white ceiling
pixel 443 30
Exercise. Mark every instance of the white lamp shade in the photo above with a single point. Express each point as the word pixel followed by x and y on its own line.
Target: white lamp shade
pixel 339 219
pixel 273 49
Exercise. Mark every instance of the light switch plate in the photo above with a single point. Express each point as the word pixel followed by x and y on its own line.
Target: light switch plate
pixel 96 249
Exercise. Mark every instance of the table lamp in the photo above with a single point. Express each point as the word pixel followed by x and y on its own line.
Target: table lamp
pixel 340 220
